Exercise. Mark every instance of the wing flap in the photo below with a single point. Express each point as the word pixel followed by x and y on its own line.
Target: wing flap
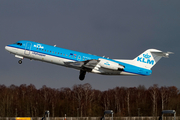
pixel 90 64
pixel 74 64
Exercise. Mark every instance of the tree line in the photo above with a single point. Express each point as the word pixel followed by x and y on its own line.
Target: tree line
pixel 83 101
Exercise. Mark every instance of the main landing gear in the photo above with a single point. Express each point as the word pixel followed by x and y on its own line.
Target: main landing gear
pixel 82 74
pixel 20 61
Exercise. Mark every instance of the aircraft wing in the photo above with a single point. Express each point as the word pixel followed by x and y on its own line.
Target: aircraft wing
pixel 88 64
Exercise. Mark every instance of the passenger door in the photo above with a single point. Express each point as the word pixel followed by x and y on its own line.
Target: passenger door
pixel 27 48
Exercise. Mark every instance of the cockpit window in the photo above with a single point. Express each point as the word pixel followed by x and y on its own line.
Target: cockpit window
pixel 19 44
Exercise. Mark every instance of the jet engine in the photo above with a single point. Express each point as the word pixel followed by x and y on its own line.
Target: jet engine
pixel 107 64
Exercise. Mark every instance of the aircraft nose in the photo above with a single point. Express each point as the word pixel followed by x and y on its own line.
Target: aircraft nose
pixel 7 48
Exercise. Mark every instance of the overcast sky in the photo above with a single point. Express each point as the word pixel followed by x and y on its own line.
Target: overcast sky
pixel 113 28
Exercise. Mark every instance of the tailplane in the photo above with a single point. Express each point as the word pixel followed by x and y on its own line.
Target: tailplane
pixel 149 58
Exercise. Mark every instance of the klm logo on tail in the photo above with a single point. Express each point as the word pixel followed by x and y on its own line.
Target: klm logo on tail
pixel 146 59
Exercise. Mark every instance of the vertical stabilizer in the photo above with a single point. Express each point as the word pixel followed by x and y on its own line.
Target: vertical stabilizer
pixel 149 58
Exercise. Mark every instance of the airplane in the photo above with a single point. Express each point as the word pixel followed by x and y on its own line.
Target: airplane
pixel 141 65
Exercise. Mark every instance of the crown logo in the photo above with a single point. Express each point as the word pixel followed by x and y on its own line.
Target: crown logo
pixel 146 55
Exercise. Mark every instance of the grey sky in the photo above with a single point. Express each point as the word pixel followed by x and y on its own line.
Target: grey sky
pixel 114 28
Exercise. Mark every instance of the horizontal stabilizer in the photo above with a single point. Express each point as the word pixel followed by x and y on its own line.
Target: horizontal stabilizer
pixel 163 54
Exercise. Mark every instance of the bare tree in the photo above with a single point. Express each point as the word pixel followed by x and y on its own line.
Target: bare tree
pixel 128 91
pixel 106 99
pixel 78 94
pixel 88 96
pixel 117 94
pixel 154 94
pixel 172 97
pixel 163 93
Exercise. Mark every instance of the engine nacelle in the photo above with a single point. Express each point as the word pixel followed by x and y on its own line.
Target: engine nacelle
pixel 110 65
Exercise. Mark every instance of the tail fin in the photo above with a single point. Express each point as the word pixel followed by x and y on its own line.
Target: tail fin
pixel 149 58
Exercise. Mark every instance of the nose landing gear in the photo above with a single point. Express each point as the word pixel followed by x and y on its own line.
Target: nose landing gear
pixel 20 57
pixel 20 61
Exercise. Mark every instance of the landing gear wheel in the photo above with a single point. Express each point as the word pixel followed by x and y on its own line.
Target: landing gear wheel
pixel 82 75
pixel 20 61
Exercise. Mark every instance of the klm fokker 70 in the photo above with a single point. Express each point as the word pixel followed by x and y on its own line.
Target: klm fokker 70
pixel 141 65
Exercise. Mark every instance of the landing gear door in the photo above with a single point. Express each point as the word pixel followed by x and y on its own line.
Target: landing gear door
pixel 28 48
